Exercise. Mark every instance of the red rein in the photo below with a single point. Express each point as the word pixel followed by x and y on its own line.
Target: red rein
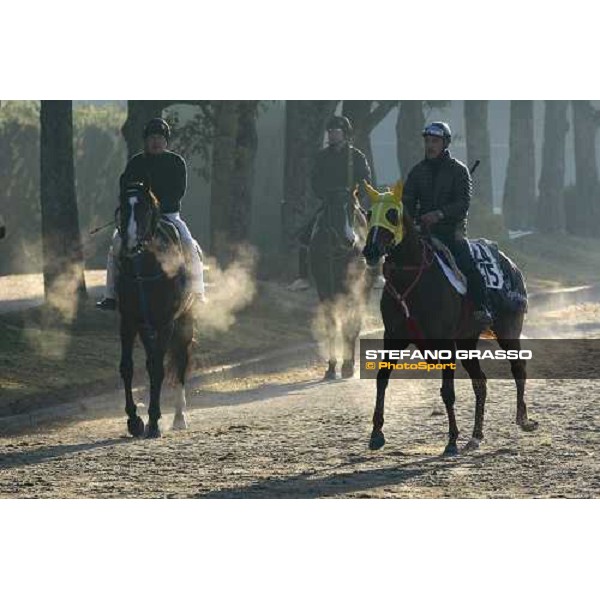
pixel 427 258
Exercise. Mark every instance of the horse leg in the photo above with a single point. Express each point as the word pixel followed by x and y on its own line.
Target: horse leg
pixel 155 344
pixel 519 372
pixel 350 330
pixel 180 346
pixel 330 329
pixel 449 398
pixel 479 383
pixel 377 440
pixel 135 425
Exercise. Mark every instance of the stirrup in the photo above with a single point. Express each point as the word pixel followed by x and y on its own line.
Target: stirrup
pixel 483 317
pixel 107 304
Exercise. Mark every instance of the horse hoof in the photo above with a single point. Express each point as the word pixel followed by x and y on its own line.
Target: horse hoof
pixel 180 422
pixel 472 444
pixel 377 440
pixel 347 370
pixel 437 412
pixel 153 431
pixel 451 449
pixel 135 426
pixel 528 425
pixel 329 375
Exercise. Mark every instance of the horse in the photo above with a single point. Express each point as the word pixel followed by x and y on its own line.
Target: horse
pixel 419 303
pixel 340 274
pixel 153 303
pixel 2 228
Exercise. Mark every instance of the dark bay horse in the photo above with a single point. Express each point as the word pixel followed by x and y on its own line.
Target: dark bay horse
pixel 153 303
pixel 340 274
pixel 420 304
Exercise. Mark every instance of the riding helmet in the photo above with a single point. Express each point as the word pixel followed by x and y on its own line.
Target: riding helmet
pixel 157 126
pixel 439 129
pixel 340 122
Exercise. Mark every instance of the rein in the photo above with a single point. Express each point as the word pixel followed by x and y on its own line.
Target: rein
pixel 427 258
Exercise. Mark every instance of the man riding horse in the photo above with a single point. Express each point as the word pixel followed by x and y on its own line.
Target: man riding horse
pixel 339 166
pixel 437 193
pixel 165 173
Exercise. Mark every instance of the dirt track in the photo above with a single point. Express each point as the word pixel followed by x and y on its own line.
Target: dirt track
pixel 289 436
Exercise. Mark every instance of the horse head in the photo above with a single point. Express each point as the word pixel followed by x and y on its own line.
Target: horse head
pixel 386 222
pixel 139 215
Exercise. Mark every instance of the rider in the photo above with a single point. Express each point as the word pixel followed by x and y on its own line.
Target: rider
pixel 166 174
pixel 338 166
pixel 437 192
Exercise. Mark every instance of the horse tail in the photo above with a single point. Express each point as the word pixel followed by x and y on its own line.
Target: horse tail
pixel 179 351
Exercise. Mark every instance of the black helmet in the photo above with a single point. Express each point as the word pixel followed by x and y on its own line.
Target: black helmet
pixel 439 129
pixel 340 122
pixel 157 126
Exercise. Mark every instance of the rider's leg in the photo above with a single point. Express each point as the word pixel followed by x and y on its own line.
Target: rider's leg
pixel 475 283
pixel 110 297
pixel 193 254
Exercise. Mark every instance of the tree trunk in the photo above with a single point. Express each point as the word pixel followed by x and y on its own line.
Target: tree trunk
pixel 234 150
pixel 304 129
pixel 478 148
pixel 583 215
pixel 551 210
pixel 63 266
pixel 358 112
pixel 409 127
pixel 519 189
pixel 139 112
pixel 364 119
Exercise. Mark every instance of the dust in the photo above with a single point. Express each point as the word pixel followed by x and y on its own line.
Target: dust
pixel 228 290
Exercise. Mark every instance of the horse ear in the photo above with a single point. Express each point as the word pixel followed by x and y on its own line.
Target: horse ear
pixel 398 189
pixel 371 191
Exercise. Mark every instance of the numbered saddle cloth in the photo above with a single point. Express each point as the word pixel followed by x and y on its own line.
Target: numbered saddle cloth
pixel 503 280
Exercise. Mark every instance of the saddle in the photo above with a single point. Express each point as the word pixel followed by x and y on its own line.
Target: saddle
pixel 503 280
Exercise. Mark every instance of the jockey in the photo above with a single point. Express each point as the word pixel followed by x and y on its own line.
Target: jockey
pixel 338 166
pixel 166 174
pixel 437 192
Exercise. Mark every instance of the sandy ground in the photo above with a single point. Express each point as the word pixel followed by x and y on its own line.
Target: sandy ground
pixel 293 436
pixel 26 291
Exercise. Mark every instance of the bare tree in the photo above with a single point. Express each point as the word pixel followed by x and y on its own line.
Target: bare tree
pixel 409 127
pixel 519 189
pixel 551 210
pixel 365 115
pixel 584 217
pixel 234 149
pixel 61 240
pixel 478 148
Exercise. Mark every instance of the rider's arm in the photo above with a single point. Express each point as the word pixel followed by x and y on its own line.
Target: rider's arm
pixel 317 178
pixel 409 194
pixel 134 171
pixel 180 183
pixel 461 193
pixel 362 172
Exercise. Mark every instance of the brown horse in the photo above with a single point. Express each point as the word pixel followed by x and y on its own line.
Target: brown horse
pixel 419 304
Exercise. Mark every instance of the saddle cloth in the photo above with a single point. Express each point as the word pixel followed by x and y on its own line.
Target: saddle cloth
pixel 503 280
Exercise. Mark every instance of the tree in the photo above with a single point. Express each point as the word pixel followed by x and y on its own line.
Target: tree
pixel 551 210
pixel 234 149
pixel 478 148
pixel 365 115
pixel 519 189
pixel 409 127
pixel 304 130
pixel 61 240
pixel 584 214
pixel 139 112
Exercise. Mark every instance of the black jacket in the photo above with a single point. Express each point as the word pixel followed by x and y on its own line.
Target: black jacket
pixel 441 184
pixel 332 170
pixel 165 173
